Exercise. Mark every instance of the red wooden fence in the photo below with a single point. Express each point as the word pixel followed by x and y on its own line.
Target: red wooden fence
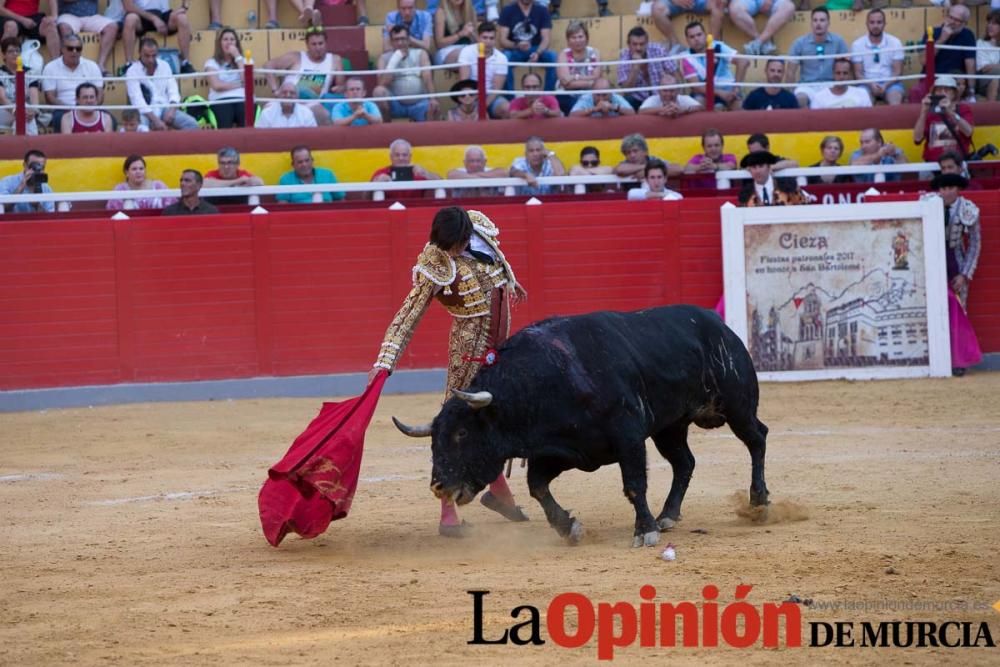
pixel 311 292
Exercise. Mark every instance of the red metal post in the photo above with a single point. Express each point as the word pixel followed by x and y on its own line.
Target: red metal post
pixel 929 60
pixel 249 106
pixel 481 80
pixel 20 101
pixel 710 74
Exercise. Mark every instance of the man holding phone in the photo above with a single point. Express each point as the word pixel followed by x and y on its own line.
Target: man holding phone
pixel 32 179
pixel 401 168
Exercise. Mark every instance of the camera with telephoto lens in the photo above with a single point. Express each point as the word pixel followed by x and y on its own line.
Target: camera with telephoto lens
pixel 37 177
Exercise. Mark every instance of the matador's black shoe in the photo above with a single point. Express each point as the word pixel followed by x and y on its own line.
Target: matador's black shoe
pixel 509 512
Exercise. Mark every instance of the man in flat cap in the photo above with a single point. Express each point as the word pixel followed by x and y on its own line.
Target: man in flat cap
pixel 763 189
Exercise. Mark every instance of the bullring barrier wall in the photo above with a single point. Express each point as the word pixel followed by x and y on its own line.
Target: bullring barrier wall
pixel 98 302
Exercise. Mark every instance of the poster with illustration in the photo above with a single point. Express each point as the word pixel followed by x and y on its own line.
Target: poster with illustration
pixel 855 291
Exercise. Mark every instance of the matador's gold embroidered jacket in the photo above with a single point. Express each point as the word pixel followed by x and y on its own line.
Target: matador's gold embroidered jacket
pixel 462 284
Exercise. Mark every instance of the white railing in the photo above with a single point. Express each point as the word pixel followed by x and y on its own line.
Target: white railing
pixel 724 179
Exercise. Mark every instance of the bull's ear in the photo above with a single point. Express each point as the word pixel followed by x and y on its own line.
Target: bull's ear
pixel 476 400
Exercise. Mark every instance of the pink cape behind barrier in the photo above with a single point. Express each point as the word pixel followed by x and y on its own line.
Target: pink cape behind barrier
pixel 314 483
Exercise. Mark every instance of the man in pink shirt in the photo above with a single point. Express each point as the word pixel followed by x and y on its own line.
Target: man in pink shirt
pixel 534 106
pixel 710 161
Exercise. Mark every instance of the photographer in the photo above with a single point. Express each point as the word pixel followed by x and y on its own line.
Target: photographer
pixel 32 180
pixel 943 123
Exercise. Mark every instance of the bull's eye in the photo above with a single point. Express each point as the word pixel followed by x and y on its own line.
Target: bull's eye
pixel 460 435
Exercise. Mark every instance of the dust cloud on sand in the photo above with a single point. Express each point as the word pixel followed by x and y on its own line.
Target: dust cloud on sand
pixel 779 511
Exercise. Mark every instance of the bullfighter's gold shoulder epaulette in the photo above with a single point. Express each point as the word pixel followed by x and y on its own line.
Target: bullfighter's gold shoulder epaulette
pixel 436 265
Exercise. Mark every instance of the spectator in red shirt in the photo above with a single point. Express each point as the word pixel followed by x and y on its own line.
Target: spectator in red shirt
pixel 401 168
pixel 23 18
pixel 944 124
pixel 535 107
pixel 229 174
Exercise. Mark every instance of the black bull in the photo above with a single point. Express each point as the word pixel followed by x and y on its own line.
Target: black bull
pixel 586 391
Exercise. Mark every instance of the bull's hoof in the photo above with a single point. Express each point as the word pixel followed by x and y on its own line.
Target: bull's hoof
pixel 665 523
pixel 454 530
pixel 575 533
pixel 509 512
pixel 650 539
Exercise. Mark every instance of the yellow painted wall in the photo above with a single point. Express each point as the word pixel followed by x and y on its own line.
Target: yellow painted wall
pixel 82 174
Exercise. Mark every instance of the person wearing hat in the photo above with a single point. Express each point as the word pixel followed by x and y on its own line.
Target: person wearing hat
pixel 466 96
pixel 962 240
pixel 944 123
pixel 763 189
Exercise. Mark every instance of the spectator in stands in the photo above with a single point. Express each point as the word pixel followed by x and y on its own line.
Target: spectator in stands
pixel 878 55
pixel 654 184
pixel 643 75
pixel 28 181
pixel 131 121
pixel 726 59
pixel 305 173
pixel 953 163
pixel 664 10
pixel 944 124
pixel 475 167
pixel 525 29
pixel 228 174
pixel 601 105
pixel 841 95
pixel 466 95
pixel 963 240
pixel 537 162
pixel 136 179
pixel 61 76
pixel 11 48
pixel 988 58
pixel 355 110
pixel 78 16
pixel 314 73
pixel 152 89
pixel 496 68
pixel 874 150
pixel 951 32
pixel 759 142
pixel 535 107
pixel 142 16
pixel 190 202
pixel 287 113
pixel 454 28
pixel 635 150
pixel 578 69
pixel 771 96
pixel 406 75
pixel 87 116
pixel 24 18
pixel 742 13
pixel 225 80
pixel 813 74
pixel 590 164
pixel 831 149
pixel 763 189
pixel 668 101
pixel 418 23
pixel 713 159
pixel 401 168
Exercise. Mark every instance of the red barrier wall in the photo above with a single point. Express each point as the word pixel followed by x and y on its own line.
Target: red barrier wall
pixel 309 292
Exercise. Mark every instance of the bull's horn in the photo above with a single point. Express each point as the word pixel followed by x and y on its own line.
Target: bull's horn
pixel 413 431
pixel 479 399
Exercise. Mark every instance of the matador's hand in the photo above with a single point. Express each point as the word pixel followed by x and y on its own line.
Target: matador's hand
pixel 519 294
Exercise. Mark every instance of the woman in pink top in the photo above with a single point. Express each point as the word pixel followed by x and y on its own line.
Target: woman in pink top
pixel 577 64
pixel 135 179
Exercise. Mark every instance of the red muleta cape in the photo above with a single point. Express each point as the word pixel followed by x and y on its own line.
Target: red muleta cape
pixel 314 483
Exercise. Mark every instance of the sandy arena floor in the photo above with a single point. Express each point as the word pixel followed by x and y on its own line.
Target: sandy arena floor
pixel 130 535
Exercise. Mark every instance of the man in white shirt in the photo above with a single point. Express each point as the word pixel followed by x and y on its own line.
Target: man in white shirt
pixel 153 90
pixel 61 77
pixel 667 102
pixel 286 114
pixel 655 184
pixel 496 68
pixel 840 95
pixel 76 16
pixel 868 53
pixel 405 76
pixel 315 72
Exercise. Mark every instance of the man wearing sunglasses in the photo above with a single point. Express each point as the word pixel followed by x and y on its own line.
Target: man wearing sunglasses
pixel 61 77
pixel 878 55
pixel 953 31
pixel 76 16
pixel 814 74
